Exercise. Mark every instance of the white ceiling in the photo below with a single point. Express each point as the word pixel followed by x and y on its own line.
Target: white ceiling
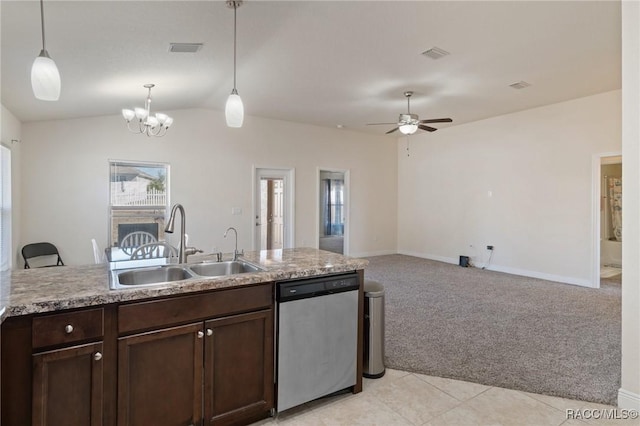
pixel 317 62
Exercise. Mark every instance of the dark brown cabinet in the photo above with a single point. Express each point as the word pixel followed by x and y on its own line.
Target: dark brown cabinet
pixel 67 386
pixel 215 370
pixel 160 377
pixel 238 383
pixel 67 382
pixel 55 369
pixel 195 359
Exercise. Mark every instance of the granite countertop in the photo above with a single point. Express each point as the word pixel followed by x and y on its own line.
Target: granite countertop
pixel 31 291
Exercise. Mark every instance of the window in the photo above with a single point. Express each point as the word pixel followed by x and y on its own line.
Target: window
pixel 5 208
pixel 139 199
pixel 332 205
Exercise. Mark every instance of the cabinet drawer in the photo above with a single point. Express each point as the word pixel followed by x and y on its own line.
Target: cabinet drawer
pixel 181 309
pixel 68 327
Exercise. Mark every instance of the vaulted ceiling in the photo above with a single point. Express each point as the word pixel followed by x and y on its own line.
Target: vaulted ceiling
pixel 324 63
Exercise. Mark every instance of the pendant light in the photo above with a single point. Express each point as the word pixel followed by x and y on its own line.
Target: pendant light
pixel 45 78
pixel 234 110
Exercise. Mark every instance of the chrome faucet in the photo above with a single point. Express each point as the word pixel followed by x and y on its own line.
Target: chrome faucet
pixel 235 251
pixel 183 250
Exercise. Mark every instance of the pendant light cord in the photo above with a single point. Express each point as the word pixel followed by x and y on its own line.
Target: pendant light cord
pixel 42 21
pixel 235 10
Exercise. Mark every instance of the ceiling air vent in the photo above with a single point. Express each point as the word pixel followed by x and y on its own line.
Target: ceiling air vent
pixel 435 53
pixel 520 85
pixel 184 47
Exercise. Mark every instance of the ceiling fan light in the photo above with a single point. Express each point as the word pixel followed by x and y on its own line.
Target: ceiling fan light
pixel 234 110
pixel 45 78
pixel 408 129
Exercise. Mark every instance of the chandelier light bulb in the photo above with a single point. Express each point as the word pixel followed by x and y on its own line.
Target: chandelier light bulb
pixel 141 113
pixel 162 118
pixel 128 114
pixel 152 122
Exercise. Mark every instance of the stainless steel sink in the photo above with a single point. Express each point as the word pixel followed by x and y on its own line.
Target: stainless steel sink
pixel 165 274
pixel 146 276
pixel 224 268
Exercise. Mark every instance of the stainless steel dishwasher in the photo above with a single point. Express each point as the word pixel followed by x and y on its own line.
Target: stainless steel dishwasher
pixel 317 337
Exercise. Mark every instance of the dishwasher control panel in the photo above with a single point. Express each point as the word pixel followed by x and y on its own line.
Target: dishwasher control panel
pixel 314 287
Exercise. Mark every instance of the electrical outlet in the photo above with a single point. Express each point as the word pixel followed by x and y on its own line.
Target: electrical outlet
pixel 489 247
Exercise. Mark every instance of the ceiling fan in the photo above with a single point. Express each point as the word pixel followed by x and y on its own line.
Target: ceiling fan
pixel 409 123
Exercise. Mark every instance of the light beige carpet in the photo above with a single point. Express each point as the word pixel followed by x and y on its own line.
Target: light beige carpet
pixel 499 329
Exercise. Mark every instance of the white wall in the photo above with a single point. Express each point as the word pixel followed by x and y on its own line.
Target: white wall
pixel 629 394
pixel 11 130
pixel 66 178
pixel 537 166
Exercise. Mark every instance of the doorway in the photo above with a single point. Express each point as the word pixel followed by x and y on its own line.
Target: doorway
pixel 608 213
pixel 273 209
pixel 333 210
pixel 271 216
pixel 611 217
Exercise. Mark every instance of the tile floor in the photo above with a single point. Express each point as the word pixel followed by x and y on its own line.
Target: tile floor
pixel 401 398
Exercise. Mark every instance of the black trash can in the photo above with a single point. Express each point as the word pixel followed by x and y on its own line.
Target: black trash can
pixel 373 330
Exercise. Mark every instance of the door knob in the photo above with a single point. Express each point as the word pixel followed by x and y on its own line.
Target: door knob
pixel 200 334
pixel 68 329
pixel 209 332
pixel 97 356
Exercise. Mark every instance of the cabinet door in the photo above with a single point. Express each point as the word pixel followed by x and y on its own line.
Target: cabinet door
pixel 160 377
pixel 239 368
pixel 67 386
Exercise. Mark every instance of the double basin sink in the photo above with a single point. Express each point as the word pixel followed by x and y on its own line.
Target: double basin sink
pixel 164 274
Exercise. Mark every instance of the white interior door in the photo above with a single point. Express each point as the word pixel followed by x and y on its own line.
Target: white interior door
pixel 277 214
pixel 273 207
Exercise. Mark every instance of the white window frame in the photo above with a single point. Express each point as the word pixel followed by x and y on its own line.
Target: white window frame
pixel 6 260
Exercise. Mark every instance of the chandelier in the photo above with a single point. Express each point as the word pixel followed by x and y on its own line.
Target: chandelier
pixel 156 125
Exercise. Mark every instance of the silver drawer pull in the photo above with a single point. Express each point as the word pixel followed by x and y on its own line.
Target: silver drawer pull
pixel 200 334
pixel 68 329
pixel 97 356
pixel 209 332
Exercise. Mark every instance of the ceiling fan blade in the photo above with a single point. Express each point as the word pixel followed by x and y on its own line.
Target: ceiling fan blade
pixel 437 120
pixel 427 128
pixel 392 130
pixel 378 124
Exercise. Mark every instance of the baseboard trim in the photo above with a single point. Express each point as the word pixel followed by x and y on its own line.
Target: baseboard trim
pixel 628 400
pixel 372 253
pixel 430 257
pixel 508 270
pixel 543 276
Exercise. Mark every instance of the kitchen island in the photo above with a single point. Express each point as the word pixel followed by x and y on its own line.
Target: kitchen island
pixel 66 336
